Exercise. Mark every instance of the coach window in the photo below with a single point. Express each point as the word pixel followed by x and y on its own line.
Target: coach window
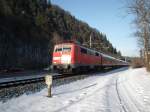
pixel 88 52
pixel 96 54
pixel 83 51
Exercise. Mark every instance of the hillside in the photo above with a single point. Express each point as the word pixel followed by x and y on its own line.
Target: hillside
pixel 30 28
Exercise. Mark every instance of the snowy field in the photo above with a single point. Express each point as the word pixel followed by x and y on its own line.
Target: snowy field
pixel 122 90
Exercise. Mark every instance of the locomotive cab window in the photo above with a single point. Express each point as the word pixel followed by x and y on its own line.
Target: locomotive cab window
pixel 84 51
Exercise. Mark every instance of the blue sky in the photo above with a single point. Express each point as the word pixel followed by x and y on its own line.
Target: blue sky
pixel 109 17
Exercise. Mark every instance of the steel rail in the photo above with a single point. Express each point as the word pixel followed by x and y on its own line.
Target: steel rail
pixel 15 81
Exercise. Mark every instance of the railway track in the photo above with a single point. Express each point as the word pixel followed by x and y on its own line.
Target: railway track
pixel 21 80
pixel 27 79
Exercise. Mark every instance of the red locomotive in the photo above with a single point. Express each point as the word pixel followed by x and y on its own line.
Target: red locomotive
pixel 71 57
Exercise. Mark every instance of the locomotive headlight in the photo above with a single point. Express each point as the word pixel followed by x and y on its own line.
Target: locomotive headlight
pixel 56 58
pixel 66 59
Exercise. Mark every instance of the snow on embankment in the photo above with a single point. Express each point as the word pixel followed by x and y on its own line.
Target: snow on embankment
pixel 87 95
pixel 134 89
pixel 98 93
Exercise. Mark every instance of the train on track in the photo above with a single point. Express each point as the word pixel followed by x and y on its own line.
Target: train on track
pixel 72 57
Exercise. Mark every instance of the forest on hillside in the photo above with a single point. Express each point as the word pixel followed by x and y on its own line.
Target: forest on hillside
pixel 30 28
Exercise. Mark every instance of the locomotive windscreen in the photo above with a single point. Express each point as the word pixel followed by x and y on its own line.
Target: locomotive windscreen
pixel 68 49
pixel 58 49
pixel 63 48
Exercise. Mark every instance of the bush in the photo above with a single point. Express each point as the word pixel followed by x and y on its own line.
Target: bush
pixel 137 63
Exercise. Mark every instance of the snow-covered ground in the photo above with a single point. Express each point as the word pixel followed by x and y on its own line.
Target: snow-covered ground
pixel 122 90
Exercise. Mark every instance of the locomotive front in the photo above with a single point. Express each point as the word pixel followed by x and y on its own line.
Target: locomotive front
pixel 63 57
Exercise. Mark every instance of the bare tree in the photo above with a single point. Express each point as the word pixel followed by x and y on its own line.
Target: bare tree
pixel 141 10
